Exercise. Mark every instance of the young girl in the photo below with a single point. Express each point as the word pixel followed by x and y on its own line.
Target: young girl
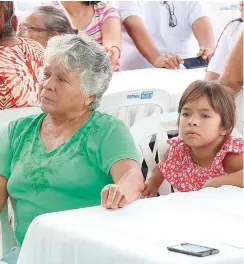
pixel 204 154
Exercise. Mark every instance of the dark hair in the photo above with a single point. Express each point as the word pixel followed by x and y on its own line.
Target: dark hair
pixel 90 2
pixel 6 15
pixel 221 101
pixel 54 19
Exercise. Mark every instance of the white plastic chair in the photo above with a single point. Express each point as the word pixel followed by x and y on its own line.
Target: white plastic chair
pixel 132 106
pixel 154 128
pixel 8 238
pixel 11 114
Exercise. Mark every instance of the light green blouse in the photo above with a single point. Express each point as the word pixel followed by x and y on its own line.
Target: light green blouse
pixel 69 177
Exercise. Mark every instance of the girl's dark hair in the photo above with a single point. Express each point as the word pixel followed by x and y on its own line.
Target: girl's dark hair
pixel 6 15
pixel 91 2
pixel 54 19
pixel 221 101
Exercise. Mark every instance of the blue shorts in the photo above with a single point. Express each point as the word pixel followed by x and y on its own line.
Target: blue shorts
pixel 12 257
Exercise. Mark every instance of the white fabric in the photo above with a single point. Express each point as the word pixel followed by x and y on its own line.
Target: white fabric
pixel 239 112
pixel 226 42
pixel 155 15
pixel 11 114
pixel 141 232
pixel 172 81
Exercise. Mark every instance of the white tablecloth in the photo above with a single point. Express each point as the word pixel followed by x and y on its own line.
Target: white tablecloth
pixel 172 81
pixel 140 233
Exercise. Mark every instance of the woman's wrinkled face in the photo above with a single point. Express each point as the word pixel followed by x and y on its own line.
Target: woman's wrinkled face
pixel 33 27
pixel 60 90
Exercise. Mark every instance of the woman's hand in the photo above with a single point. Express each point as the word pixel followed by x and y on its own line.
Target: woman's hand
pixel 114 55
pixel 113 197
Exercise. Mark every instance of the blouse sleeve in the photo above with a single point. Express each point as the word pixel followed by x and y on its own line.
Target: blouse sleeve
pixel 115 143
pixel 221 52
pixel 110 12
pixel 235 146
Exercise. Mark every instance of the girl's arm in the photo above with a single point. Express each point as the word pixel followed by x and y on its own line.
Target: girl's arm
pixel 155 181
pixel 233 165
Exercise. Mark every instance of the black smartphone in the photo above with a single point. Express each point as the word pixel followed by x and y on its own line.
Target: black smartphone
pixel 193 250
pixel 196 62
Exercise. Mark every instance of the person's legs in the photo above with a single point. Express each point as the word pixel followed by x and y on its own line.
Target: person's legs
pixel 12 257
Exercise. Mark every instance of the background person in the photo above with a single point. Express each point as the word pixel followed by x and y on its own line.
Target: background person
pixel 21 62
pixel 224 46
pixel 44 22
pixel 233 77
pixel 160 33
pixel 100 22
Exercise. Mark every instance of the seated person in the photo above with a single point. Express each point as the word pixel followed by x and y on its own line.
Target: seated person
pixel 100 22
pixel 20 64
pixel 71 156
pixel 44 22
pixel 160 33
pixel 204 155
pixel 225 44
pixel 233 77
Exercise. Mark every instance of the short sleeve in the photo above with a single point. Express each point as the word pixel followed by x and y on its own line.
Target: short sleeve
pixel 196 10
pixel 221 52
pixel 127 8
pixel 110 12
pixel 5 152
pixel 235 146
pixel 116 143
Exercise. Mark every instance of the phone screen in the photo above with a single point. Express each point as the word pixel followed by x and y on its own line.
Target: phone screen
pixel 196 62
pixel 192 248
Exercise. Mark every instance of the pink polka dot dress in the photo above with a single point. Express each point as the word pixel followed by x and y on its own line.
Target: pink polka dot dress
pixel 184 175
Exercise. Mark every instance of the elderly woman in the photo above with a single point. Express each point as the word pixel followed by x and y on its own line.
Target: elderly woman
pixel 71 156
pixel 44 22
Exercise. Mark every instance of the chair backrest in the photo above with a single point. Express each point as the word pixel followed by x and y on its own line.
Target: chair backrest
pixel 8 238
pixel 8 115
pixel 154 128
pixel 132 106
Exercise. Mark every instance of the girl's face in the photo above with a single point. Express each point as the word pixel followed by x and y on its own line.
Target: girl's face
pixel 199 125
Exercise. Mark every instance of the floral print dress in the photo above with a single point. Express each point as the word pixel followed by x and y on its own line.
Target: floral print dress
pixel 184 175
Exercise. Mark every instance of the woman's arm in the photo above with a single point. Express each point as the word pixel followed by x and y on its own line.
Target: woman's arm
pixel 233 165
pixel 203 32
pixel 216 65
pixel 129 184
pixel 111 32
pixel 111 38
pixel 3 192
pixel 233 72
